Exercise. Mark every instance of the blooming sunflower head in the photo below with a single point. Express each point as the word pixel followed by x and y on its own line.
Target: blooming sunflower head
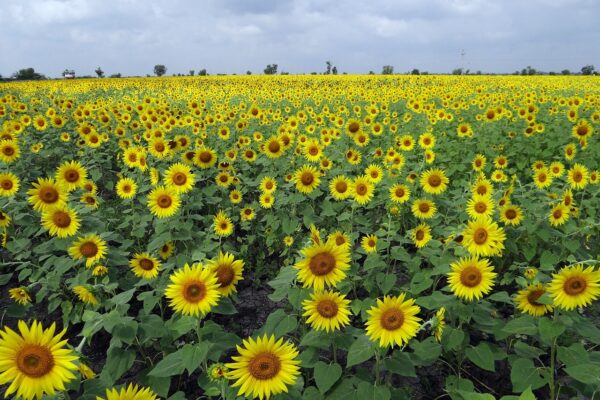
pixel 327 310
pixel 470 278
pixel 393 321
pixel 228 271
pixel 323 264
pixel 575 286
pixel 193 290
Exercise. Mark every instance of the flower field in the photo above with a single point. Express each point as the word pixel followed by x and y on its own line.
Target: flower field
pixel 300 237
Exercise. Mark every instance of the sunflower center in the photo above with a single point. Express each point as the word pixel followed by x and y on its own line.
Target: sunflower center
pixel 264 366
pixel 574 286
pixel 88 249
pixel 274 147
pixel 434 181
pixel 353 127
pixel 420 235
pixel 481 189
pixel 179 178
pixel 225 275
pixel 35 361
pixel 510 214
pixel 194 291
pixel 72 176
pixel 480 236
pixel 582 130
pixel 126 188
pixel 577 176
pixel 392 319
pixel 341 187
pixel 423 207
pixel 478 163
pixel 542 177
pixel 327 308
pixel 249 153
pixel 146 264
pixel 340 240
pixel 361 189
pixel 269 185
pixel 480 207
pixel 49 195
pixel 471 277
pixel 534 296
pixel 399 192
pixel 322 264
pixel 8 151
pixel 7 184
pixel 205 156
pixel 164 201
pixel 557 214
pixel 307 178
pixel 61 219
pixel 313 151
pixel 159 147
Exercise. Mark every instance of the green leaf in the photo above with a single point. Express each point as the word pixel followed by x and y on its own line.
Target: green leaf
pixel 482 356
pixel 550 328
pixel 4 278
pixel 573 355
pixel 548 260
pixel 523 325
pixel 170 365
pixel 368 391
pixel 361 350
pixel 122 298
pixel 326 375
pixel 279 323
pixel 452 338
pixel 474 395
pixel 420 282
pixel 524 374
pixel 586 373
pixel 118 361
pixel 427 351
pixel 527 394
pixel 194 354
pixel 401 364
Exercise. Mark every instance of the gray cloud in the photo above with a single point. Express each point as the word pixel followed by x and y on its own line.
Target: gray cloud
pixel 228 36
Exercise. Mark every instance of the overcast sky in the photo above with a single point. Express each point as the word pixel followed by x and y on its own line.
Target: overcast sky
pixel 228 36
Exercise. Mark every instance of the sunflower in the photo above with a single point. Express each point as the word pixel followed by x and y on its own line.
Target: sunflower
pixel 427 140
pixel 339 238
pixel 556 169
pixel 4 220
pixel 369 243
pixel 193 290
pixel 574 287
pixel 163 202
pixel 559 214
pixel 542 178
pixel 312 150
pixel 60 221
pixel 20 295
pixel 323 264
pixel 35 362
pixel 582 130
pixel 46 193
pixel 406 143
pixel 423 208
pixel 326 311
pixel 222 224
pixel 166 250
pixel 228 271
pixel 205 157
pixel 307 179
pixel 247 214
pixel 439 323
pixel 340 188
pixel 180 178
pixel 99 270
pixel 374 173
pixel 434 181
pixel 483 237
pixel 126 188
pixel 482 187
pixel 264 367
pixel 399 193
pixel 85 295
pixel 570 151
pixel 527 300
pixel 266 200
pixel 273 147
pixel 90 247
pixel 480 205
pixel 393 321
pixel 511 214
pixel 362 189
pixel 578 176
pixel 478 162
pixel 421 235
pixel 130 393
pixel 144 266
pixel 9 151
pixel 471 278
pixel 268 184
pixel 235 196
pixel 71 175
pixel 9 184
pixel 90 200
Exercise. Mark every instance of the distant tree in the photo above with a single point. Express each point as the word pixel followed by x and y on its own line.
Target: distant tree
pixel 467 72
pixel 334 70
pixel 552 73
pixel 160 70
pixel 587 70
pixel 415 72
pixel 192 72
pixel 387 70
pixel 371 73
pixel 313 73
pixel 68 73
pixel 117 75
pixel 457 71
pixel 478 72
pixel 565 72
pixel 202 72
pixel 284 73
pixel 248 72
pixel 99 72
pixel 529 71
pixel 328 69
pixel 27 74
pixel 270 69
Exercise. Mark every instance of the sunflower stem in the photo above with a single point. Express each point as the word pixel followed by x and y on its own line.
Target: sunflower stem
pixel 334 350
pixel 377 365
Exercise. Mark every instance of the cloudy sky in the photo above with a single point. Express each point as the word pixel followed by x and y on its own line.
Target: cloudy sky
pixel 228 36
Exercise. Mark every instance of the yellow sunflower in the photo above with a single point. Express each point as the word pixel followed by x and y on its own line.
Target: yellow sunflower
pixel 421 235
pixel 9 151
pixel 323 264
pixel 362 189
pixel 326 311
pixel 9 184
pixel 266 200
pixel 71 175
pixel 574 287
pixel 247 214
pixel 393 321
pixel 511 214
pixel 434 181
pixel 228 271
pixel 374 173
pixel 483 237
pixel 439 323
pixel 35 362
pixel 339 238
pixel 60 221
pixel 126 188
pixel 369 243
pixel 180 178
pixel 46 194
pixel 542 178
pixel 90 247
pixel 205 157
pixel 480 205
pixel 578 176
pixel 130 393
pixel 399 193
pixel 559 214
pixel 471 278
pixel 85 295
pixel 264 367
pixel 20 295
pixel 193 290
pixel 166 250
pixel 144 266
pixel 307 179
pixel 423 208
pixel 268 184
pixel 163 202
pixel 222 224
pixel 479 162
pixel 340 188
pixel 273 147
pixel 527 300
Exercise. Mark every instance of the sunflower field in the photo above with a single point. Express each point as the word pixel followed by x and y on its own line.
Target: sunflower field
pixel 300 237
